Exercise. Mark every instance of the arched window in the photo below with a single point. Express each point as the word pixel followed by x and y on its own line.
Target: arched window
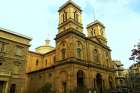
pixel 37 62
pixel 102 31
pixel 76 16
pixel 80 78
pixel 79 49
pixel 92 33
pixel 63 50
pixel 64 16
pixel 63 53
pixel 107 58
pixel 79 52
pixel 95 55
pixel 46 61
pixel 54 59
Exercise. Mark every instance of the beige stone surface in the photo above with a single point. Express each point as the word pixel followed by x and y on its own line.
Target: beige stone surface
pixel 13 51
pixel 74 52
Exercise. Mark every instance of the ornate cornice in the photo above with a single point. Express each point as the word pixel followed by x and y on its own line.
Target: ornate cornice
pixel 68 3
pixel 69 21
pixel 70 30
pixel 15 33
pixel 77 62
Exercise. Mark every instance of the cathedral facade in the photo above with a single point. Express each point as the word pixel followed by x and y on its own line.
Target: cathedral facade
pixel 77 62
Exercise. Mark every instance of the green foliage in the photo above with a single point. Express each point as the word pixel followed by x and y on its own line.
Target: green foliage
pixel 135 55
pixel 47 88
pixel 79 90
pixel 106 91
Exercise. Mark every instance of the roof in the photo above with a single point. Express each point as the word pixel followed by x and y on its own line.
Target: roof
pixel 118 63
pixel 44 46
pixel 15 33
pixel 40 53
pixel 95 22
pixel 134 65
pixel 69 2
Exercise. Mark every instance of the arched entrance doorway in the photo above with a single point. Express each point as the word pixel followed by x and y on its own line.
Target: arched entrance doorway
pixel 80 78
pixel 81 88
pixel 13 88
pixel 99 83
pixel 1 86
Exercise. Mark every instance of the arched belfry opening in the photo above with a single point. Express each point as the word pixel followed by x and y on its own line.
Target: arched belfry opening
pixel 99 83
pixel 80 78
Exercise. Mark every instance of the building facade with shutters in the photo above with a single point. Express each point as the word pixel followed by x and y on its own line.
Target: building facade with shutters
pixel 13 52
pixel 77 62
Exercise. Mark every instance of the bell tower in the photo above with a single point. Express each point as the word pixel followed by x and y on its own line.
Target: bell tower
pixel 96 31
pixel 70 16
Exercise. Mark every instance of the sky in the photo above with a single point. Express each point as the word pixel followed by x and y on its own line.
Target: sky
pixel 38 19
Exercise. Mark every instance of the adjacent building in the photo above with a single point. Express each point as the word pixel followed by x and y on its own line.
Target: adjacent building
pixel 121 77
pixel 134 78
pixel 13 52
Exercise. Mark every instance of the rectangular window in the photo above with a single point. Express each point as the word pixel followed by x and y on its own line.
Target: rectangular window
pixel 19 51
pixel 79 52
pixel 54 59
pixel 3 47
pixel 63 53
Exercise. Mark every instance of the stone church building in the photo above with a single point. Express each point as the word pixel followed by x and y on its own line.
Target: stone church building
pixel 77 63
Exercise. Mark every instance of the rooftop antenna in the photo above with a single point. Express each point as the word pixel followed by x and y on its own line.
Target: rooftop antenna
pixel 47 41
pixel 94 14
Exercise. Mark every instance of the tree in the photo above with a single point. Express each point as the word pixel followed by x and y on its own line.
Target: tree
pixel 47 88
pixel 135 55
